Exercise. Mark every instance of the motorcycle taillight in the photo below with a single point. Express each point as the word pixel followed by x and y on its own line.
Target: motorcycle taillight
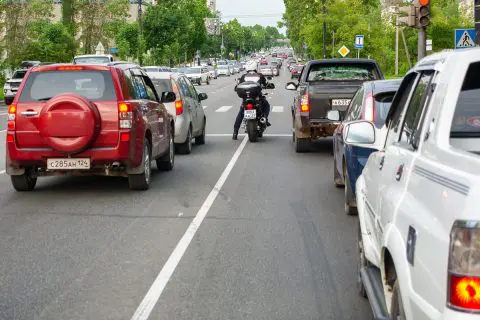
pixel 249 106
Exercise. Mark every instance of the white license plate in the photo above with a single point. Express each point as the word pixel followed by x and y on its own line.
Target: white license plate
pixel 340 102
pixel 68 164
pixel 250 114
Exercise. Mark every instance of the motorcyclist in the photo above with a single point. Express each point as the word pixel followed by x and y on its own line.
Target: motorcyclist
pixel 252 72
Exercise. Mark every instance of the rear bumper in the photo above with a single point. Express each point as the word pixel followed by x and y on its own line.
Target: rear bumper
pixel 315 130
pixel 126 157
pixel 181 130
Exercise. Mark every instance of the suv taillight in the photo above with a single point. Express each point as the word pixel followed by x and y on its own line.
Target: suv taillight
pixel 12 112
pixel 178 102
pixel 464 267
pixel 305 104
pixel 125 115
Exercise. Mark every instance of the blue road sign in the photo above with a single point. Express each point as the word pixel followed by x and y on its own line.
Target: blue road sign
pixel 359 41
pixel 464 38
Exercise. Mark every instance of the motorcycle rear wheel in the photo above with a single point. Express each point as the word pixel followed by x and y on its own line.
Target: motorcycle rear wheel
pixel 252 130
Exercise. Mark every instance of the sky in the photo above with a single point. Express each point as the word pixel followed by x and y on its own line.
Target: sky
pixel 265 12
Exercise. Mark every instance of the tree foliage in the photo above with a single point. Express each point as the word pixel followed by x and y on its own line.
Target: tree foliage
pixel 347 18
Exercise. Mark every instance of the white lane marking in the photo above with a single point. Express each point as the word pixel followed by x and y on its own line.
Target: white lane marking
pixel 224 109
pixel 3 114
pixel 151 298
pixel 205 107
pixel 180 214
pixel 3 130
pixel 243 134
pixel 277 109
pixel 2 171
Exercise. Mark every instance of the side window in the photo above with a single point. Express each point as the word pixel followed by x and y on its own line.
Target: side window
pixel 151 92
pixel 184 87
pixel 193 92
pixel 398 106
pixel 356 105
pixel 141 91
pixel 412 124
pixel 130 84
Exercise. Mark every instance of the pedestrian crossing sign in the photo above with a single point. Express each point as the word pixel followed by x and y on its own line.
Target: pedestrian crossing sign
pixel 464 38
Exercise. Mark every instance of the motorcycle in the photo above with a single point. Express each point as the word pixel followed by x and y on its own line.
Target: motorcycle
pixel 254 120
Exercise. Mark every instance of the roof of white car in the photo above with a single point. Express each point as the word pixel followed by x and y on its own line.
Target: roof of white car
pixel 160 75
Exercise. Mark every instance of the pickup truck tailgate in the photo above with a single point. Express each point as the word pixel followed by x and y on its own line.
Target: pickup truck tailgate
pixel 331 97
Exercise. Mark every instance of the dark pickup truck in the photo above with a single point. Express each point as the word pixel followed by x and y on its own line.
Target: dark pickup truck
pixel 326 85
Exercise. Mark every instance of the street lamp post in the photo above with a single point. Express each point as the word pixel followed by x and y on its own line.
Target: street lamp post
pixel 477 22
pixel 324 10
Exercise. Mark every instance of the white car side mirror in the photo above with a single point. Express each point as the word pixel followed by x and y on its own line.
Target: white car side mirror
pixel 359 132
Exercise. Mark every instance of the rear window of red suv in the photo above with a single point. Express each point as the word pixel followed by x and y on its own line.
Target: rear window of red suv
pixel 92 84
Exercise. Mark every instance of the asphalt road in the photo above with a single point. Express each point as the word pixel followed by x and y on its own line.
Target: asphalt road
pixel 236 231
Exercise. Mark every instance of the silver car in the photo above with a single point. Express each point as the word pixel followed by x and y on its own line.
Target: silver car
pixel 11 85
pixel 187 110
pixel 223 70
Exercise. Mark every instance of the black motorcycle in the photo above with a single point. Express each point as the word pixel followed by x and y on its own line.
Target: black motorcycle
pixel 255 121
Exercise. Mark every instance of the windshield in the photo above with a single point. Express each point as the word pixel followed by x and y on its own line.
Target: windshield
pixel 342 72
pixel 162 85
pixel 94 85
pixel 92 60
pixel 222 67
pixel 152 69
pixel 193 70
pixel 19 74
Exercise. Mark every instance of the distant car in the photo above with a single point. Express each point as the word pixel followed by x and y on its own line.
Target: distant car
pixel 93 59
pixel 187 110
pixel 223 70
pixel 198 75
pixel 11 85
pixel 88 119
pixel 263 61
pixel 274 55
pixel 157 69
pixel 213 72
pixel 267 70
pixel 371 103
pixel 297 71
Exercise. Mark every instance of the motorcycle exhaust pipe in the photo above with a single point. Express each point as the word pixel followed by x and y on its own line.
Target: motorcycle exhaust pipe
pixel 263 120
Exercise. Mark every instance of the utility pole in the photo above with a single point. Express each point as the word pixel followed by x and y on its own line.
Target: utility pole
pixel 477 22
pixel 324 10
pixel 397 25
pixel 140 32
pixel 422 43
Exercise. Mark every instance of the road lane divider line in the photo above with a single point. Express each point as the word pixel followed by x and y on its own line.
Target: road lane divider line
pixel 277 109
pixel 2 171
pixel 204 107
pixel 224 109
pixel 153 295
pixel 4 114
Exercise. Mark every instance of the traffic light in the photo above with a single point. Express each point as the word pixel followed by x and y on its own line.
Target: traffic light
pixel 423 13
pixel 410 16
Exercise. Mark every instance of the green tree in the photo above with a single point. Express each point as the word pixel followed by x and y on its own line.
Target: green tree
pixel 68 15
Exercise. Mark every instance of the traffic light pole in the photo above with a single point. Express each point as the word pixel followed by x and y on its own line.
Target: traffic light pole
pixel 422 43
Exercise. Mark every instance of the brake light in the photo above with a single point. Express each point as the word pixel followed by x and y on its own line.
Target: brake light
pixel 125 115
pixel 305 103
pixel 464 266
pixel 369 112
pixel 124 136
pixel 12 112
pixel 10 138
pixel 70 68
pixel 178 107
pixel 249 106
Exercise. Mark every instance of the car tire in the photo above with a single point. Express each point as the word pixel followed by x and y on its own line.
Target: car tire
pixel 302 145
pixel 142 181
pixel 362 262
pixel 24 182
pixel 397 310
pixel 200 140
pixel 349 210
pixel 167 161
pixel 208 82
pixel 186 147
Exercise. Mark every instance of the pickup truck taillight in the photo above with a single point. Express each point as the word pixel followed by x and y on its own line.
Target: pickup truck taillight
pixel 125 115
pixel 369 114
pixel 464 267
pixel 305 104
pixel 12 112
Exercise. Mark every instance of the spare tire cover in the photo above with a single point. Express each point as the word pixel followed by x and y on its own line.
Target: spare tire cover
pixel 69 123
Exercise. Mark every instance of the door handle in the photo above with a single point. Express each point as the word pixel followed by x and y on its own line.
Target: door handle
pixel 29 113
pixel 382 161
pixel 399 173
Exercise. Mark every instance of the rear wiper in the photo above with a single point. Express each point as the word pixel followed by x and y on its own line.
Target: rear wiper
pixel 44 99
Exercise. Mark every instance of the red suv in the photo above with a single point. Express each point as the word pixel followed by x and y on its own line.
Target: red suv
pixel 88 119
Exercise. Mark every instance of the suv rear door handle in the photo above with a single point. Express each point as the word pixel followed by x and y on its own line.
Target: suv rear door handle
pixel 29 113
pixel 399 173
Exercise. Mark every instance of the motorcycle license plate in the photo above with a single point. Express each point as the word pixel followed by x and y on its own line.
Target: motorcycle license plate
pixel 250 114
